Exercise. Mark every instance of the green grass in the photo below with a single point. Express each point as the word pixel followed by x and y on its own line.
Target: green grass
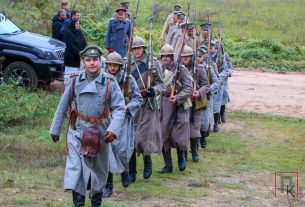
pixel 248 25
pixel 236 169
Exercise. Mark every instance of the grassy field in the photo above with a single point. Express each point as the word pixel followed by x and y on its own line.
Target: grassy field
pixel 260 33
pixel 236 169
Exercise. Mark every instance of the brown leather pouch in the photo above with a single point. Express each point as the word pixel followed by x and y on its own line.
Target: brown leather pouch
pixel 90 144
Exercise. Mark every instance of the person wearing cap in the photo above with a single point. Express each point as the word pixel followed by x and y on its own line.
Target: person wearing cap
pixel 118 33
pixel 148 137
pixel 212 74
pixel 190 38
pixel 174 110
pixel 123 147
pixel 199 100
pixel 176 31
pixel 177 8
pixel 204 36
pixel 168 25
pixel 223 72
pixel 88 94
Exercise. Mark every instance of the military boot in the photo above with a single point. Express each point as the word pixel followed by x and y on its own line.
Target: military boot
pixel 216 127
pixel 207 133
pixel 168 168
pixel 96 200
pixel 222 114
pixel 194 149
pixel 203 142
pixel 132 168
pixel 147 166
pixel 181 160
pixel 125 179
pixel 109 186
pixel 185 155
pixel 78 199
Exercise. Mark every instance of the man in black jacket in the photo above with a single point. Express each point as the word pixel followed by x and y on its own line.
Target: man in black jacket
pixel 75 42
pixel 75 14
pixel 58 21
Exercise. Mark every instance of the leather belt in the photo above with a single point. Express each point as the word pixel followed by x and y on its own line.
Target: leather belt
pixel 94 120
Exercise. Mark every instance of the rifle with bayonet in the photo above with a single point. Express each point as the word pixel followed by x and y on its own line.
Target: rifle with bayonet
pixel 220 50
pixel 209 57
pixel 127 67
pixel 194 70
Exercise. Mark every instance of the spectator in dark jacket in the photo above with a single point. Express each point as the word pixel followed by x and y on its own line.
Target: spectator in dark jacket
pixel 75 42
pixel 75 14
pixel 58 21
pixel 66 6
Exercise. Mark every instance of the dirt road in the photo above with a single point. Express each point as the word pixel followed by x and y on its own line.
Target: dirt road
pixel 266 92
pixel 262 92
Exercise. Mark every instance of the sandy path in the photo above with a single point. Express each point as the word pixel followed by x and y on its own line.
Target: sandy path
pixel 266 92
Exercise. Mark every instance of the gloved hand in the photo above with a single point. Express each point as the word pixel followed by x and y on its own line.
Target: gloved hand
pixel 110 50
pixel 110 137
pixel 55 138
pixel 150 92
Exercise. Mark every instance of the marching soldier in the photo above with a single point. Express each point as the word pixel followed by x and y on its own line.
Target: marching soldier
pixel 148 138
pixel 175 31
pixel 123 147
pixel 203 37
pixel 200 89
pixel 177 8
pixel 190 38
pixel 118 33
pixel 88 95
pixel 225 96
pixel 174 109
pixel 212 74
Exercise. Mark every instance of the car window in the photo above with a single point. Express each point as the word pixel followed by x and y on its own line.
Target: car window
pixel 7 26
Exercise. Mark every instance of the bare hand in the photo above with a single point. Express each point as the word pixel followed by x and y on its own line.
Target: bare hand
pixel 196 94
pixel 110 137
pixel 173 99
pixel 55 138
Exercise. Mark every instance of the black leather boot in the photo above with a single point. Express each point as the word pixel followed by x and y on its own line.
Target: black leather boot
pixel 132 168
pixel 96 200
pixel 78 199
pixel 109 186
pixel 194 149
pixel 181 160
pixel 222 114
pixel 216 127
pixel 207 133
pixel 203 142
pixel 147 166
pixel 168 168
pixel 125 179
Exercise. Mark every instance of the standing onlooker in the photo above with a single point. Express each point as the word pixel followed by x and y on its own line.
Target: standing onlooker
pixel 75 14
pixel 75 42
pixel 58 21
pixel 118 33
pixel 66 6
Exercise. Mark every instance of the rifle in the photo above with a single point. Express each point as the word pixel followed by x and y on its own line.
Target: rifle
pixel 127 67
pixel 194 68
pixel 220 50
pixel 208 60
pixel 177 68
pixel 150 53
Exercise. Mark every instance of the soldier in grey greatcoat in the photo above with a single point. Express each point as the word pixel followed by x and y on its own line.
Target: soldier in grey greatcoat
pixel 148 137
pixel 123 147
pixel 199 99
pixel 175 31
pixel 213 78
pixel 223 75
pixel 175 109
pixel 118 33
pixel 225 96
pixel 91 87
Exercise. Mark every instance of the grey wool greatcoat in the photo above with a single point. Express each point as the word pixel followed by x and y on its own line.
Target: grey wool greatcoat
pixel 123 147
pixel 90 100
pixel 176 132
pixel 203 88
pixel 118 35
pixel 148 137
pixel 225 95
pixel 214 87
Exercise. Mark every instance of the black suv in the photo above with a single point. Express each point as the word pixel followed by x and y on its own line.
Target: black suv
pixel 27 57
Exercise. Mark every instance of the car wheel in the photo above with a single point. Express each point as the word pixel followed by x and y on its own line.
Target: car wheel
pixel 22 73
